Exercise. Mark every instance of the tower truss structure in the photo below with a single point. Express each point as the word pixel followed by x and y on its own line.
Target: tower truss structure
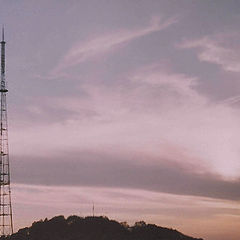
pixel 6 220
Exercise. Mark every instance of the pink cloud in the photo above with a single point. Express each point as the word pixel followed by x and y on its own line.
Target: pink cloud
pixel 216 49
pixel 156 111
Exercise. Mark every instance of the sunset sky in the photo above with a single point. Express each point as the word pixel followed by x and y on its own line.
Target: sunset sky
pixel 133 105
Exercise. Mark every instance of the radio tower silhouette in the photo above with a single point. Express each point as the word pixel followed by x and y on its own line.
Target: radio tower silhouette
pixel 6 221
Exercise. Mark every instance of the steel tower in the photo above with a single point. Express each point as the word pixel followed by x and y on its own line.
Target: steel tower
pixel 6 222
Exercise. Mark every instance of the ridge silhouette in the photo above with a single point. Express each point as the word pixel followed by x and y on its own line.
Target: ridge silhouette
pixel 94 228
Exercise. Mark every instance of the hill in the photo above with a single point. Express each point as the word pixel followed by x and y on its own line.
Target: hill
pixel 94 228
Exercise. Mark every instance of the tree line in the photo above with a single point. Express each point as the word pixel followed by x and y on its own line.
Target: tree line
pixel 94 228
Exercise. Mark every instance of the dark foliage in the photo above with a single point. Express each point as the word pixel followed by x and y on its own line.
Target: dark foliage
pixel 94 228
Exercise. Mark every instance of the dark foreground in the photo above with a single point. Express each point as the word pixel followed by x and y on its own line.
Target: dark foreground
pixel 94 228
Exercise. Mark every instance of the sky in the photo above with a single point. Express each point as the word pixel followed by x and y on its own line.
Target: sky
pixel 131 105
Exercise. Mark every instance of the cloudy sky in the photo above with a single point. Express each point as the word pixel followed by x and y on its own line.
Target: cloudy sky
pixel 132 105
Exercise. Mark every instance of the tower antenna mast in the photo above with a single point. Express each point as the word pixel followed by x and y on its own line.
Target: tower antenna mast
pixel 6 220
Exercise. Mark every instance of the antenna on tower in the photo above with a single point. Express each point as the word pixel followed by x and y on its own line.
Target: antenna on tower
pixel 3 33
pixel 93 210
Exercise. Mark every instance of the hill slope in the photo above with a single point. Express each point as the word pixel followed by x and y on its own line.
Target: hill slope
pixel 94 228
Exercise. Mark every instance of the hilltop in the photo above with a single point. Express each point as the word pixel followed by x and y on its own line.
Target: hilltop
pixel 94 228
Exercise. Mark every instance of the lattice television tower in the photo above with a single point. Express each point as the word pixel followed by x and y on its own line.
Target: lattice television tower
pixel 6 221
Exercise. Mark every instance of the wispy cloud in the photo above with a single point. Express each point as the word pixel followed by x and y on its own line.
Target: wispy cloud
pixel 231 100
pixel 84 51
pixel 157 75
pixel 216 49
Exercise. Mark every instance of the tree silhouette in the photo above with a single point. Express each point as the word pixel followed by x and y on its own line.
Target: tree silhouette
pixel 94 228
